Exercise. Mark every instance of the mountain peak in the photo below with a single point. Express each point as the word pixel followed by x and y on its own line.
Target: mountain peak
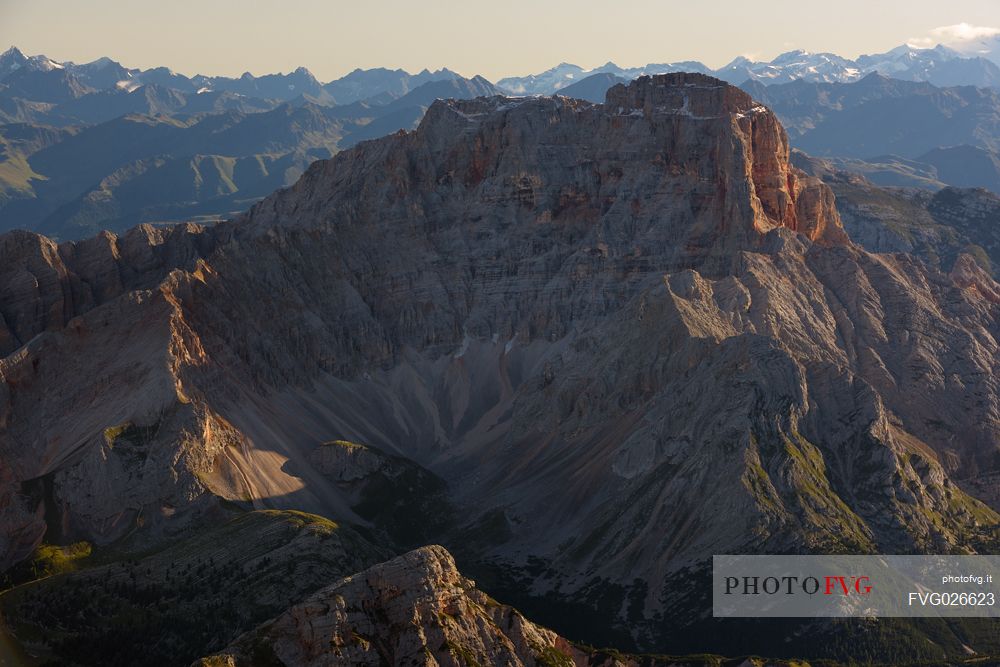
pixel 738 61
pixel 101 62
pixel 947 51
pixel 13 52
pixel 875 77
pixel 11 60
pixel 791 56
pixel 565 67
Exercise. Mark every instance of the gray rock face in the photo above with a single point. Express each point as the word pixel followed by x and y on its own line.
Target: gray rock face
pixel 630 334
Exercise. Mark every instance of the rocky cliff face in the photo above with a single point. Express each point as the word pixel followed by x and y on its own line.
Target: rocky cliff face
pixel 44 285
pixel 81 407
pixel 627 336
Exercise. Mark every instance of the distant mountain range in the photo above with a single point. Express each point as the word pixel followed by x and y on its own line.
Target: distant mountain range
pixel 879 115
pixel 99 145
pixel 941 66
pixel 75 160
pixel 105 73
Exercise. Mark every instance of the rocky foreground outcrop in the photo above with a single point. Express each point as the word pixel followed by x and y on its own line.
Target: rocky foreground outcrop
pixel 414 610
pixel 626 336
pixel 419 610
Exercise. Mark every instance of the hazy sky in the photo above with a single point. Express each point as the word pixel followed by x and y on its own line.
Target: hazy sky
pixel 495 39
